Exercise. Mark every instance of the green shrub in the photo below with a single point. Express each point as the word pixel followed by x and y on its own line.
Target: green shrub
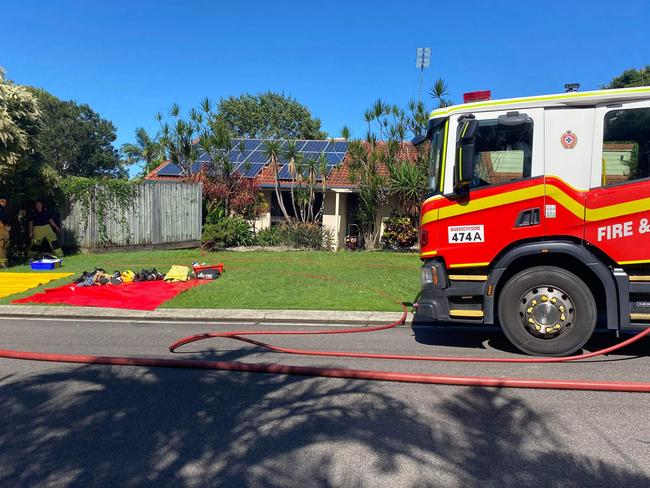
pixel 215 214
pixel 227 232
pixel 307 236
pixel 271 236
pixel 399 232
pixel 300 236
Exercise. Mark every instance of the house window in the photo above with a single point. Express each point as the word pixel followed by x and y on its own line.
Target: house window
pixel 626 146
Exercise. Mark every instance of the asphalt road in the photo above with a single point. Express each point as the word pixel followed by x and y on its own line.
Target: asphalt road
pixel 70 425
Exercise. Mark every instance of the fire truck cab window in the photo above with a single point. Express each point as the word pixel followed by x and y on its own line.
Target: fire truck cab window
pixel 626 146
pixel 503 153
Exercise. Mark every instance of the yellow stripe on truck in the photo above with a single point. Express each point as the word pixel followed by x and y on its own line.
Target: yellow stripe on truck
pixel 618 209
pixel 568 202
pixel 565 200
pixel 428 253
pixel 484 203
pixel 469 265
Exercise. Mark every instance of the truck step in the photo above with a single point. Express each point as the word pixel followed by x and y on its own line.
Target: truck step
pixel 639 316
pixel 473 314
pixel 640 278
pixel 460 277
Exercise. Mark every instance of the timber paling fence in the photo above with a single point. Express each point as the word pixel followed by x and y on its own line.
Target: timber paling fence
pixel 164 215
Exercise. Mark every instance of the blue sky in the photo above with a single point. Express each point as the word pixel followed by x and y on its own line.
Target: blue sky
pixel 129 60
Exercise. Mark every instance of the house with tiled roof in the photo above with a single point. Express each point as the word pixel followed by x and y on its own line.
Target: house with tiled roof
pixel 340 195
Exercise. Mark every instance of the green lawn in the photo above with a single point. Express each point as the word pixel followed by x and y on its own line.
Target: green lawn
pixel 297 280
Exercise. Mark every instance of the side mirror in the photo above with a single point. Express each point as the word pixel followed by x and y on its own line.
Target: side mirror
pixel 464 167
pixel 418 139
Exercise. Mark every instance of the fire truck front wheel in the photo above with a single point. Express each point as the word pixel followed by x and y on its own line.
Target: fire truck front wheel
pixel 547 311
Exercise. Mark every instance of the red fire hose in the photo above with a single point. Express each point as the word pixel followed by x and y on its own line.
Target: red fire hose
pixel 310 352
pixel 555 384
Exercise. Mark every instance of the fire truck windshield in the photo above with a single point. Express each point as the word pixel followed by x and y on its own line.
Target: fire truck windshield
pixel 436 158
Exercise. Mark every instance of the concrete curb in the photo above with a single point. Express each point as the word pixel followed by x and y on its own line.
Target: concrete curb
pixel 203 315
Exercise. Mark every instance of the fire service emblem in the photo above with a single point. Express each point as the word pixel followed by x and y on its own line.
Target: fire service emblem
pixel 569 140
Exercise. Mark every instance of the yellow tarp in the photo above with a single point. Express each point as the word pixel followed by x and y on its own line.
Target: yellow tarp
pixel 12 283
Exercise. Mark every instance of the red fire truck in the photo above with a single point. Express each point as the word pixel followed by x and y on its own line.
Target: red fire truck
pixel 538 216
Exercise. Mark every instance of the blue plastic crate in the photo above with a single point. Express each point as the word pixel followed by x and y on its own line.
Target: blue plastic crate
pixel 45 266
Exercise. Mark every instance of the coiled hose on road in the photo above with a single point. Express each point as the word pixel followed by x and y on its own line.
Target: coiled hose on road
pixel 484 381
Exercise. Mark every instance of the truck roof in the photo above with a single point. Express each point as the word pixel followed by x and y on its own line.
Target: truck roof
pixel 577 99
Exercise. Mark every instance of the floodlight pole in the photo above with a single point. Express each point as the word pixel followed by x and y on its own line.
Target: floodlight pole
pixel 422 60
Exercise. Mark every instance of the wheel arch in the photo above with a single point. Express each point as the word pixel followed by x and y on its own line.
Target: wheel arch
pixel 563 254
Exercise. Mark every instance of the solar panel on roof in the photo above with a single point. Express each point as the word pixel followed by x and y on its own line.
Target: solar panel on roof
pixel 285 174
pixel 204 157
pixel 252 170
pixel 300 145
pixel 252 144
pixel 196 167
pixel 170 169
pixel 341 146
pixel 236 156
pixel 255 154
pixel 256 157
pixel 333 159
pixel 311 156
pixel 315 146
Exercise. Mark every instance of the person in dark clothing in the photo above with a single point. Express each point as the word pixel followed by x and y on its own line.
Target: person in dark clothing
pixel 4 232
pixel 41 228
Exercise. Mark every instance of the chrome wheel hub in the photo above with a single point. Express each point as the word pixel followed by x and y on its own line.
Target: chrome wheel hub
pixel 546 311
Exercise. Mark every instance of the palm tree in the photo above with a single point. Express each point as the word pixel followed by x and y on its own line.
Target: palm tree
pixel 408 183
pixel 291 154
pixel 440 93
pixel 272 149
pixel 177 137
pixel 145 149
pixel 322 169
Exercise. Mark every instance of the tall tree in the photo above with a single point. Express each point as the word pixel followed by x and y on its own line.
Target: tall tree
pixel 19 115
pixel 272 150
pixel 146 150
pixel 269 116
pixel 630 78
pixel 75 140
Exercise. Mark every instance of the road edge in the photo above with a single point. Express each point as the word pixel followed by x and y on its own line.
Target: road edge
pixel 367 318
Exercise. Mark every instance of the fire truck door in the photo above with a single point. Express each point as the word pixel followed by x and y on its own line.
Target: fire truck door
pixel 618 205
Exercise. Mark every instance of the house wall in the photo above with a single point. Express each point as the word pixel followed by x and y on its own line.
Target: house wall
pixel 330 217
pixel 385 210
pixel 335 218
pixel 264 221
pixel 344 201
pixel 335 215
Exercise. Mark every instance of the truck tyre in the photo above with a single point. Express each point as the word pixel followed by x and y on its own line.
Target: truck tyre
pixel 547 311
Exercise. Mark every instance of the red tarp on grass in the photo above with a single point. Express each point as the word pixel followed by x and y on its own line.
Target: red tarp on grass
pixel 145 295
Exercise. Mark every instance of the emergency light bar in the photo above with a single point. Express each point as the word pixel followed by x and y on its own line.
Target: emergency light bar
pixel 477 96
